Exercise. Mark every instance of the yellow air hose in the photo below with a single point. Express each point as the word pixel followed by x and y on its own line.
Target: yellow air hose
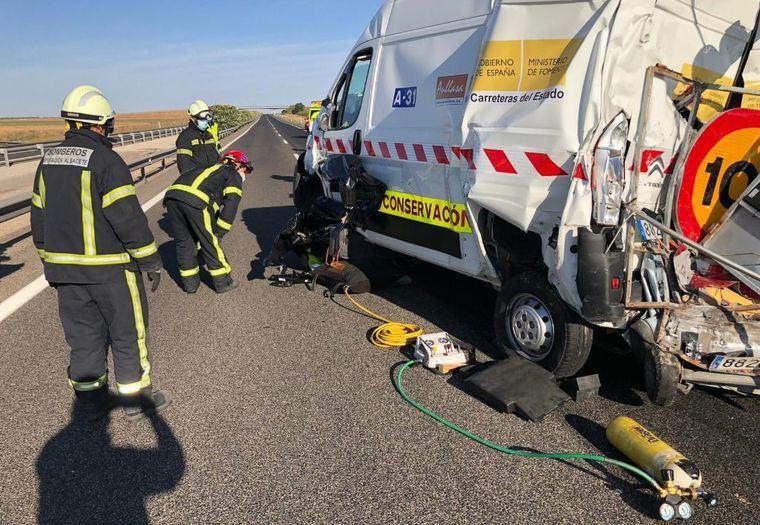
pixel 389 334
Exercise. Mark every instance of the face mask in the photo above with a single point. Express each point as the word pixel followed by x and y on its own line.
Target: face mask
pixel 242 174
pixel 202 124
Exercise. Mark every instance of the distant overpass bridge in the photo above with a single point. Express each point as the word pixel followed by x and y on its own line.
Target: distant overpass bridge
pixel 265 109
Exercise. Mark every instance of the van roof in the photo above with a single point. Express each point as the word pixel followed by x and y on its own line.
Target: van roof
pixel 399 16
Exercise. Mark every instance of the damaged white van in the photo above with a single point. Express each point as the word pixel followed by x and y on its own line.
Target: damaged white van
pixel 541 146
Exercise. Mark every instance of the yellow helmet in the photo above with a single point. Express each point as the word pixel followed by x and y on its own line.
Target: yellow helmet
pixel 87 104
pixel 196 108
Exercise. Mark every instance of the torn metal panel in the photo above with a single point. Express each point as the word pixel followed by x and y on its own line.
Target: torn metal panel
pixel 737 235
pixel 698 331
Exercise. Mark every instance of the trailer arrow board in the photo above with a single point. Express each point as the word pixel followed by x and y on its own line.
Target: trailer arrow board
pixel 724 160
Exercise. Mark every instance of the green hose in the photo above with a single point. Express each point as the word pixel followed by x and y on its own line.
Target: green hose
pixel 520 453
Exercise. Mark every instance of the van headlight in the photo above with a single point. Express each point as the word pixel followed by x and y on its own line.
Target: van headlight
pixel 608 174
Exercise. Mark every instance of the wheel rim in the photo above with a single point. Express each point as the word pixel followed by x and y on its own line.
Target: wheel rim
pixel 530 326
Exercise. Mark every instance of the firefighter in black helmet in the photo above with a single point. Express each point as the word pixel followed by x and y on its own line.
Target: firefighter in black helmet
pixel 197 147
pixel 201 205
pixel 94 241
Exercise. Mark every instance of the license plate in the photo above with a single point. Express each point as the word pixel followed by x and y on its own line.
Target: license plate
pixel 736 365
pixel 647 231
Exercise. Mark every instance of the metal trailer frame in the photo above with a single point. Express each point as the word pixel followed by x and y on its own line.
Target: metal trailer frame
pixel 725 380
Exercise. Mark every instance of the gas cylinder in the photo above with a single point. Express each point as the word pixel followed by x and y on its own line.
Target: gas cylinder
pixel 652 454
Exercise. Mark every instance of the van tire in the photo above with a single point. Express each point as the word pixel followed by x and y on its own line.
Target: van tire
pixel 529 298
pixel 662 373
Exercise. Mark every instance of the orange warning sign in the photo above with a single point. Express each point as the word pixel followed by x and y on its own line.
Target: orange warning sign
pixel 724 160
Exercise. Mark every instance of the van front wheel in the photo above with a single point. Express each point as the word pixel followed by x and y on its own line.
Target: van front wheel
pixel 530 320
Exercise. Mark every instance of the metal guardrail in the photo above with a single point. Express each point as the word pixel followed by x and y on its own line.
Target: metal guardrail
pixel 166 158
pixel 23 152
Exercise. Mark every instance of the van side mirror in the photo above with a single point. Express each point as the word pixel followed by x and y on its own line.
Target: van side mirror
pixel 323 122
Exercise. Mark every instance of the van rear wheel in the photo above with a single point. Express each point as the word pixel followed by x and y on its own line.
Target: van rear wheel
pixel 531 320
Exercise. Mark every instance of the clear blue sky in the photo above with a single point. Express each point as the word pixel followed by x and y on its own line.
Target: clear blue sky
pixel 163 54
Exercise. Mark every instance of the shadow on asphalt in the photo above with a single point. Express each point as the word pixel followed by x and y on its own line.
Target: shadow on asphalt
pixel 84 478
pixel 636 495
pixel 265 224
pixel 283 178
pixel 168 254
pixel 7 269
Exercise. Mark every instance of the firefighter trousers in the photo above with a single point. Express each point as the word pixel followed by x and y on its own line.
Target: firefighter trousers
pixel 193 228
pixel 95 316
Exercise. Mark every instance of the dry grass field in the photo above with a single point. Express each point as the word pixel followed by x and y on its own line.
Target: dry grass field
pixel 49 129
pixel 293 119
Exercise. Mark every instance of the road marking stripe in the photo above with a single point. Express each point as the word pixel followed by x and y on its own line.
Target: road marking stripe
pixel 295 155
pixel 285 141
pixel 34 288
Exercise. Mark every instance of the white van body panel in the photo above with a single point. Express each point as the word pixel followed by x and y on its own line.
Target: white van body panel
pixel 475 105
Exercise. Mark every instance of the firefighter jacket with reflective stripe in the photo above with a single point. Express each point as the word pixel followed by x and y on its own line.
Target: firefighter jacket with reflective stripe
pixel 87 223
pixel 218 188
pixel 196 149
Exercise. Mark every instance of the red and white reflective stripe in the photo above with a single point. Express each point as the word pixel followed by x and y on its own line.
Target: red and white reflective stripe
pixel 523 162
pixel 487 159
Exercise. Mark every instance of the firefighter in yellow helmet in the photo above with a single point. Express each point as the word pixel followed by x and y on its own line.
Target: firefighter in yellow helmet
pixel 196 145
pixel 95 243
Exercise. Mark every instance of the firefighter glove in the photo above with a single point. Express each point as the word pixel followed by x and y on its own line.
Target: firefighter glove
pixel 155 279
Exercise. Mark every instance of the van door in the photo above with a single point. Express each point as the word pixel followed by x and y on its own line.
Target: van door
pixel 348 119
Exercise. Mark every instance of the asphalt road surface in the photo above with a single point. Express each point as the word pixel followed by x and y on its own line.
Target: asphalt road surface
pixel 284 413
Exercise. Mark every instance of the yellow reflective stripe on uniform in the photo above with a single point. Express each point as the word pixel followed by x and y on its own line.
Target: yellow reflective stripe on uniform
pixel 139 253
pixel 232 189
pixel 219 253
pixel 86 386
pixel 88 218
pixel 129 388
pixel 42 189
pixel 223 224
pixel 195 142
pixel 189 273
pixel 209 141
pixel 41 253
pixel 183 151
pixel 215 206
pixel 198 193
pixel 205 174
pixel 37 201
pixel 86 260
pixel 119 193
pixel 134 292
pixel 193 189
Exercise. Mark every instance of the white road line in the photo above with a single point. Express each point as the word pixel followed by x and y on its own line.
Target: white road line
pixel 31 290
pixel 34 288
pixel 295 155
pixel 284 141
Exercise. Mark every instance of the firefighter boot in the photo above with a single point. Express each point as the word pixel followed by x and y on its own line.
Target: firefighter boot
pixel 94 405
pixel 224 284
pixel 146 403
pixel 190 284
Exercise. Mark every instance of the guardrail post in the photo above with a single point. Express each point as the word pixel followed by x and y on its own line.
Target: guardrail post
pixel 41 147
pixel 5 154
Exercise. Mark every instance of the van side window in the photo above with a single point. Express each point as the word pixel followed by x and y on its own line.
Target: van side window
pixel 351 92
